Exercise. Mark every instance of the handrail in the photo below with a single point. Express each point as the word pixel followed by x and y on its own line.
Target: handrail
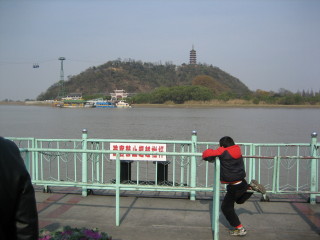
pixel 85 163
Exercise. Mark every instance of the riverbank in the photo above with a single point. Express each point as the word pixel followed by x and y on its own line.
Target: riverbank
pixel 27 103
pixel 222 104
pixel 189 104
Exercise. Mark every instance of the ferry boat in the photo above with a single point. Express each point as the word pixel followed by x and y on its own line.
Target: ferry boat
pixel 105 104
pixel 73 103
pixel 93 102
pixel 122 104
pixel 89 105
pixel 57 104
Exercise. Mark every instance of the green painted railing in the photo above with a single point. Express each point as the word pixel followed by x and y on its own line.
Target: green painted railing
pixel 91 164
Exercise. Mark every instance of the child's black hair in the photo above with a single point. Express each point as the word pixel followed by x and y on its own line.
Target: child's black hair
pixel 226 142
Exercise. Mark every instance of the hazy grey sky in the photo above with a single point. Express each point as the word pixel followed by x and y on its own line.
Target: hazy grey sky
pixel 267 44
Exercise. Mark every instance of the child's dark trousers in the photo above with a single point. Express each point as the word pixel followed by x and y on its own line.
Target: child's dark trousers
pixel 235 193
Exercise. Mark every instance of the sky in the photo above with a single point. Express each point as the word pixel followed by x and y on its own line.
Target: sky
pixel 266 44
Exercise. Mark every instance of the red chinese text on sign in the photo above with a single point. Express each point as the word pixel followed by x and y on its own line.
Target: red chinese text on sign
pixel 139 147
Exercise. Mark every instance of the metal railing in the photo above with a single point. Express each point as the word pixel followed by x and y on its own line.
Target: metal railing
pixel 91 164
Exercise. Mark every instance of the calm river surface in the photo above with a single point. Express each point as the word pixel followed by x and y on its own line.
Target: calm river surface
pixel 259 125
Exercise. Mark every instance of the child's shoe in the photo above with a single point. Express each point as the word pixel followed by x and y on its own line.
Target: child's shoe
pixel 257 187
pixel 238 232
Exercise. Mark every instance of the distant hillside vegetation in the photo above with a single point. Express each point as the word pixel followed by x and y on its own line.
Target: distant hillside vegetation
pixel 139 77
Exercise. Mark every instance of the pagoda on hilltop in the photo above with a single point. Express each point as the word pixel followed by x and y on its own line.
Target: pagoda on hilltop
pixel 193 56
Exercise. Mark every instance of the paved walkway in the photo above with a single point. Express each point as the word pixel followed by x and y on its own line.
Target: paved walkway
pixel 148 218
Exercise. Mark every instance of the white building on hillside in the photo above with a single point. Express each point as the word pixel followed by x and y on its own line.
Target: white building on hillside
pixel 73 96
pixel 118 94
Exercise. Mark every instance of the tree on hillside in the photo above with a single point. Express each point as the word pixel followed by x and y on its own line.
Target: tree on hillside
pixel 179 94
pixel 209 82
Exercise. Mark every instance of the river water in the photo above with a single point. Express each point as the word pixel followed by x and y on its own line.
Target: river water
pixel 258 125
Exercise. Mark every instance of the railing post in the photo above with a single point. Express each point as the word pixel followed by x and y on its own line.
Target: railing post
pixel 27 161
pixel 313 168
pixel 118 172
pixel 97 163
pixel 84 162
pixel 276 174
pixel 35 170
pixel 216 199
pixel 252 163
pixel 193 180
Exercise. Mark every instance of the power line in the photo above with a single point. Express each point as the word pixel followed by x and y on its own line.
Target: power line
pixel 25 62
pixel 47 60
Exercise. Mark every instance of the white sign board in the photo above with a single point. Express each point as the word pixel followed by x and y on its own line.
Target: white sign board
pixel 139 147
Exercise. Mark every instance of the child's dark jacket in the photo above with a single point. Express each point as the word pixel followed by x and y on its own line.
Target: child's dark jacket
pixel 231 162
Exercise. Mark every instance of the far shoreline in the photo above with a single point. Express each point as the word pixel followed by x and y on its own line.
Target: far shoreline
pixel 191 104
pixel 222 105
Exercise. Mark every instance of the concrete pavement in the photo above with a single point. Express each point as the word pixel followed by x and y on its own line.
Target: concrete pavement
pixel 162 218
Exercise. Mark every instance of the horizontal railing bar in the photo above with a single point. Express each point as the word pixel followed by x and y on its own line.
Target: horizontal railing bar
pixel 281 144
pixel 20 138
pixel 259 144
pixel 282 157
pixel 151 153
pixel 110 140
pixel 124 186
pixel 113 152
pixel 58 140
pixel 157 188
pixel 140 141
